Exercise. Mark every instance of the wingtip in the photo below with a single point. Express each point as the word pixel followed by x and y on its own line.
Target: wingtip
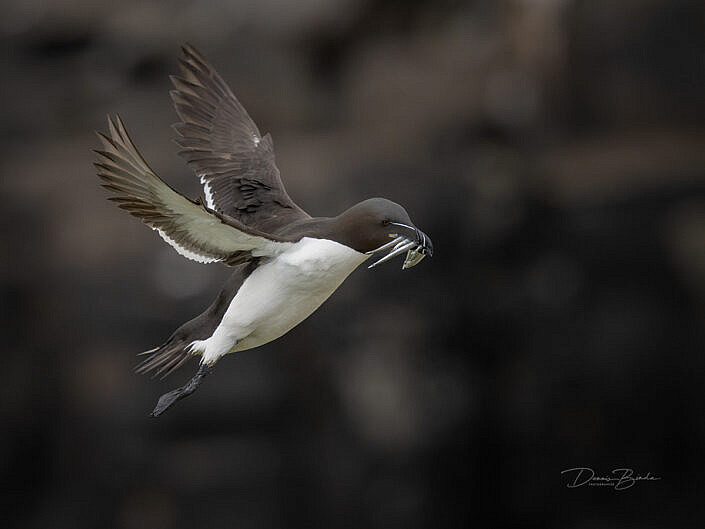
pixel 115 123
pixel 189 52
pixel 189 49
pixel 112 120
pixel 175 126
pixel 191 56
pixel 121 126
pixel 176 80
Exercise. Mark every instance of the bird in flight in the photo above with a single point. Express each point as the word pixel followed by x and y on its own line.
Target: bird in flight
pixel 285 262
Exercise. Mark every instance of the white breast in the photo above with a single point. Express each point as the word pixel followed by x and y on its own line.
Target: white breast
pixel 279 295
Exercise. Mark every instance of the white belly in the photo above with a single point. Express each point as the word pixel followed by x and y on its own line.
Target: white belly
pixel 279 295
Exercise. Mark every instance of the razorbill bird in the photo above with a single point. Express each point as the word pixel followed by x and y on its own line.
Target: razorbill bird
pixel 286 263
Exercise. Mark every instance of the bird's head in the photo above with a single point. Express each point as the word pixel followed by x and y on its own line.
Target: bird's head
pixel 380 226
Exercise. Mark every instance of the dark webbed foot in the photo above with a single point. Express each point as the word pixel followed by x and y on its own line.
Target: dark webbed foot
pixel 168 399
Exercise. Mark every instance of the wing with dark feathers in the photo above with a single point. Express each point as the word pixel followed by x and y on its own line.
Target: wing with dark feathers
pixel 225 149
pixel 192 229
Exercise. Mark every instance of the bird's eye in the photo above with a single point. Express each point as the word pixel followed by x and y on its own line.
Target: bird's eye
pixel 385 222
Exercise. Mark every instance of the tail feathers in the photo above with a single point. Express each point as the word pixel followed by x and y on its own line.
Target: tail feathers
pixel 164 359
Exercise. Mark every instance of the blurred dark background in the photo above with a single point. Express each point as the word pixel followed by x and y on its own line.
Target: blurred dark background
pixel 553 149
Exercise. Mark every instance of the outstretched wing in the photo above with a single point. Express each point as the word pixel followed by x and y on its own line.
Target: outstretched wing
pixel 225 149
pixel 192 229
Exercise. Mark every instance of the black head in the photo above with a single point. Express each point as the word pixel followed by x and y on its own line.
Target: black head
pixel 378 224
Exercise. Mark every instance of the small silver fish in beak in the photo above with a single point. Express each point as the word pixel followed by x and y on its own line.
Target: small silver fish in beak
pixel 416 250
pixel 413 258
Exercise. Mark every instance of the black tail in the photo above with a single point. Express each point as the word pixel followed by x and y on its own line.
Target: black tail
pixel 165 358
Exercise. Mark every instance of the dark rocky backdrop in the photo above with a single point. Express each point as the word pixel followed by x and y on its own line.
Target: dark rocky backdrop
pixel 553 149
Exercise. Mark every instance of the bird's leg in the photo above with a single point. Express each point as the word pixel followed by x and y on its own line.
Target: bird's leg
pixel 166 400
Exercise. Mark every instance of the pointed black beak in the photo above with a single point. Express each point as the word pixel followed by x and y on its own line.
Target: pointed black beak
pixel 425 244
pixel 421 249
pixel 415 250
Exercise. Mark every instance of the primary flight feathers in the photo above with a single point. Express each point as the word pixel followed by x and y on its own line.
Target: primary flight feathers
pixel 225 149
